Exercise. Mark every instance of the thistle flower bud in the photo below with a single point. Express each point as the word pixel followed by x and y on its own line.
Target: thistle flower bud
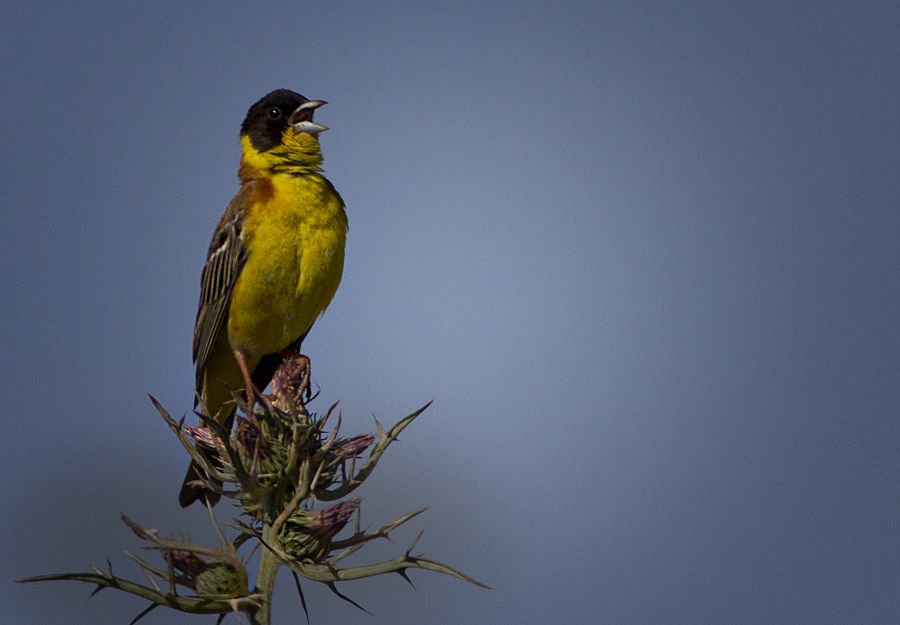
pixel 331 520
pixel 287 383
pixel 222 579
pixel 250 438
pixel 354 446
pixel 185 562
pixel 209 578
pixel 203 436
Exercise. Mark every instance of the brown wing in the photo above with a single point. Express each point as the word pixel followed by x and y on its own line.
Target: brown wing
pixel 224 261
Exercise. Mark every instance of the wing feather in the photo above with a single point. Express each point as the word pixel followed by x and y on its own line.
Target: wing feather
pixel 224 261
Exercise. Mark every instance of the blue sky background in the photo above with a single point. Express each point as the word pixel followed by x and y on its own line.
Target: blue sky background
pixel 644 257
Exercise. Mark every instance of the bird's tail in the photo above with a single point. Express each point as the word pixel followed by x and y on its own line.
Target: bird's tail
pixel 193 489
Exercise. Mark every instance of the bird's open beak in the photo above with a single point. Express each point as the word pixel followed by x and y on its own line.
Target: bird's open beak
pixel 301 120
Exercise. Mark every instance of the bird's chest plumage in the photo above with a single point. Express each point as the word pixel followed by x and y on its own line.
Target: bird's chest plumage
pixel 294 236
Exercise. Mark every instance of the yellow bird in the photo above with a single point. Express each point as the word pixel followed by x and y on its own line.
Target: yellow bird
pixel 274 263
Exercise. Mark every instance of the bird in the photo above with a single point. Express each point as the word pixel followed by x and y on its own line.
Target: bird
pixel 273 266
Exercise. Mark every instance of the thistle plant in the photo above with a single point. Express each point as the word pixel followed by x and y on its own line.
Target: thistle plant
pixel 289 472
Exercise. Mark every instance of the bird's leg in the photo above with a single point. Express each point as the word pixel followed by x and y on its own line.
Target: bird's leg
pixel 248 381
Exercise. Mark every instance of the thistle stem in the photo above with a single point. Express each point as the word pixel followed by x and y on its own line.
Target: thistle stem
pixel 265 578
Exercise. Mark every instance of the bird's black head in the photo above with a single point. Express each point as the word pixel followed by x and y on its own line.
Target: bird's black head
pixel 271 116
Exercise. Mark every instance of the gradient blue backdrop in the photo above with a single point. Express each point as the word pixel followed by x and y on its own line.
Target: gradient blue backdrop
pixel 644 256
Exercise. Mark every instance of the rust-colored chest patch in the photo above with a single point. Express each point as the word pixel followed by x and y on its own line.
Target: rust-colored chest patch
pixel 261 188
pixel 263 191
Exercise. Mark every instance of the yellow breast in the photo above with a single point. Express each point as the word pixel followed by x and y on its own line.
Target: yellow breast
pixel 294 238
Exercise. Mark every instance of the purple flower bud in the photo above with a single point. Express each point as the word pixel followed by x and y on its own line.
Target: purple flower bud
pixel 354 446
pixel 249 437
pixel 287 381
pixel 186 562
pixel 332 519
pixel 203 435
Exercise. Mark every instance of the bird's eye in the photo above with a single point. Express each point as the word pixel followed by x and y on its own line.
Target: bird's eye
pixel 274 112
